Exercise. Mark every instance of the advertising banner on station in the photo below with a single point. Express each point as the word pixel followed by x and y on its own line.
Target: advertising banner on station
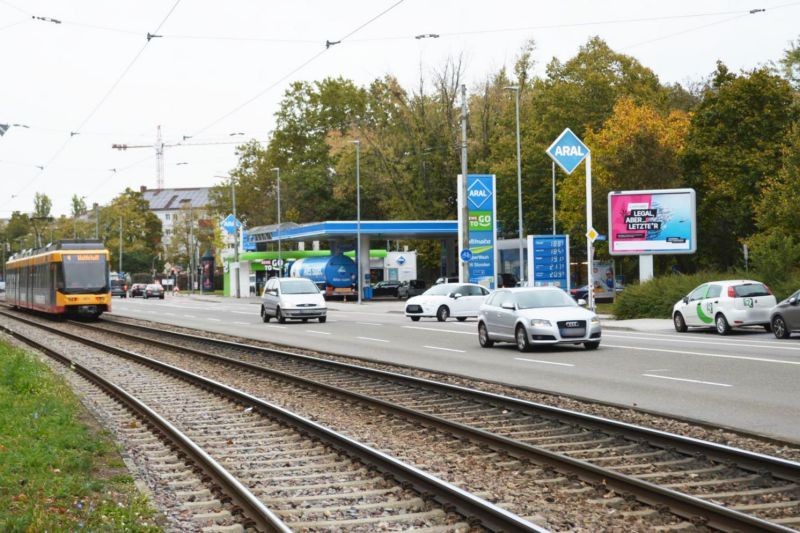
pixel 482 225
pixel 548 260
pixel 603 279
pixel 652 222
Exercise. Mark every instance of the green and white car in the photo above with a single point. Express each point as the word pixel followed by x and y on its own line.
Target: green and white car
pixel 724 305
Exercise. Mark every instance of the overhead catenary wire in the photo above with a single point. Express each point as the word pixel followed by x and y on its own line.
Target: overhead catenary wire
pixel 97 106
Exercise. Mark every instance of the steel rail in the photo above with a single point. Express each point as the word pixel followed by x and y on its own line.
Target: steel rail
pixel 257 513
pixel 680 503
pixel 477 510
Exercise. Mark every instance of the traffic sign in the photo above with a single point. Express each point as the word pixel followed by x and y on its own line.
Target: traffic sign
pixel 568 151
pixel 230 223
pixel 592 234
pixel 466 255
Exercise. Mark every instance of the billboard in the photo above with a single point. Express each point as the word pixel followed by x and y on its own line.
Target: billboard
pixel 652 222
pixel 482 226
pixel 603 279
pixel 548 260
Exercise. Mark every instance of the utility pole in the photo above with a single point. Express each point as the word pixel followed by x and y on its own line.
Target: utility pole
pixel 120 245
pixel 463 271
pixel 96 221
pixel 235 238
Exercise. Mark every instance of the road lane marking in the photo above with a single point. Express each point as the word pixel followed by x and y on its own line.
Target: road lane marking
pixel 168 314
pixel 703 354
pixel 242 323
pixel 688 380
pixel 319 332
pixel 445 349
pixel 545 362
pixel 214 319
pixel 440 330
pixel 763 344
pixel 275 326
pixel 371 339
pixel 189 316
pixel 369 323
pixel 243 312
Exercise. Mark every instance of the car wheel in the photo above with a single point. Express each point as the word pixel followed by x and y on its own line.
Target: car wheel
pixel 521 336
pixel 264 316
pixel 443 313
pixel 591 345
pixel 461 318
pixel 779 328
pixel 279 316
pixel 322 319
pixel 161 297
pixel 723 328
pixel 483 336
pixel 680 323
pixel 414 318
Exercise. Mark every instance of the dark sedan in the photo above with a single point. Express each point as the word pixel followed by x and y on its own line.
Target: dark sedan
pixel 785 316
pixel 137 289
pixel 154 290
pixel 385 288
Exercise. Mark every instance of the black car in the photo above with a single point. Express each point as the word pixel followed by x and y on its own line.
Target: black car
pixel 580 293
pixel 154 290
pixel 137 289
pixel 385 288
pixel 118 288
pixel 410 288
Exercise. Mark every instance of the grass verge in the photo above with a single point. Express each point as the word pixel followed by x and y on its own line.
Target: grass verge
pixel 58 471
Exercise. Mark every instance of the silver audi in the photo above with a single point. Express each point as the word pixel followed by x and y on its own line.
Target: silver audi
pixel 531 316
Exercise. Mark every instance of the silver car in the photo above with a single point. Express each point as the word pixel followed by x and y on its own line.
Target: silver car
pixel 530 316
pixel 295 298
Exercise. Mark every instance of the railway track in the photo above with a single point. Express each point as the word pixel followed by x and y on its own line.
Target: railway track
pixel 707 483
pixel 269 468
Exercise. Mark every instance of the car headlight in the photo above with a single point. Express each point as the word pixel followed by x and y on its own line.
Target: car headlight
pixel 540 322
pixel 595 321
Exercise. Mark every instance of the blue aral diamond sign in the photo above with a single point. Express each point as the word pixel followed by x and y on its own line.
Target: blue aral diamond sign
pixel 568 151
pixel 230 223
pixel 478 194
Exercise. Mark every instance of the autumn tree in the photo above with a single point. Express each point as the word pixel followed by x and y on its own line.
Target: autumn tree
pixel 141 232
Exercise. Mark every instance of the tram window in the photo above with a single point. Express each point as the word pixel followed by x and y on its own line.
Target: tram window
pixel 85 276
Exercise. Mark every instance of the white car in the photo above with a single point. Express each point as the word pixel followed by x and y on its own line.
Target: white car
pixel 459 300
pixel 295 298
pixel 725 305
pixel 530 316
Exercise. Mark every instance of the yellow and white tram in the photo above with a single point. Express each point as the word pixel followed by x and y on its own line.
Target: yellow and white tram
pixel 63 278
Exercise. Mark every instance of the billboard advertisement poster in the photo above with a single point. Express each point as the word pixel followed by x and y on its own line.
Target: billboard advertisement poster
pixel 481 220
pixel 652 222
pixel 603 280
pixel 548 260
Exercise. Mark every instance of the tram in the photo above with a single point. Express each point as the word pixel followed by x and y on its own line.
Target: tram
pixel 65 278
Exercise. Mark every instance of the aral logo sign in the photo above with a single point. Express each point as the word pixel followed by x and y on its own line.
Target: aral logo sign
pixel 568 151
pixel 478 194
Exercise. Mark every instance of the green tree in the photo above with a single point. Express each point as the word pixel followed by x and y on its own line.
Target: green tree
pixel 141 232
pixel 42 205
pixel 735 143
pixel 790 63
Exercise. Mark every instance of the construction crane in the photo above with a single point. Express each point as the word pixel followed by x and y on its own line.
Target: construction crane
pixel 159 146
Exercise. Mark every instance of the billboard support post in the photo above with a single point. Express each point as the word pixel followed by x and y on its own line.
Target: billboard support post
pixel 589 228
pixel 645 268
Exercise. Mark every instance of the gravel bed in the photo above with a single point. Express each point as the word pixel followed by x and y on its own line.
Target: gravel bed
pixel 764 445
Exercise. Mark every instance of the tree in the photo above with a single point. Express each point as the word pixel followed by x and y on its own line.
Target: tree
pixel 141 232
pixel 735 144
pixel 42 205
pixel 78 206
pixel 790 63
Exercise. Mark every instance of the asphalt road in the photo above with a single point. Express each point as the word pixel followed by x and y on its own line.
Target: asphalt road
pixel 748 380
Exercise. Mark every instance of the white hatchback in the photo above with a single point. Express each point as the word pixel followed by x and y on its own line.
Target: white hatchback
pixel 459 300
pixel 725 305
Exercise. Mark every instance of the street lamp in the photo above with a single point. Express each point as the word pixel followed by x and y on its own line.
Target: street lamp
pixel 235 238
pixel 358 217
pixel 515 88
pixel 280 257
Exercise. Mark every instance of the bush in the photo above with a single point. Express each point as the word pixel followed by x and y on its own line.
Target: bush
pixel 656 298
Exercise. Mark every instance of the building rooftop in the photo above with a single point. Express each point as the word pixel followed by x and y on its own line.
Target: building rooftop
pixel 163 199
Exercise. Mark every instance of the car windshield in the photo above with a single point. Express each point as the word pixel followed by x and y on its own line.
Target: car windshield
pixel 534 299
pixel 154 287
pixel 440 290
pixel 85 273
pixel 298 286
pixel 751 289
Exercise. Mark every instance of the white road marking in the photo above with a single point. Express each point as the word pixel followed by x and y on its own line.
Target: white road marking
pixel 214 319
pixel 688 380
pixel 275 326
pixel 440 330
pixel 445 349
pixel 242 312
pixel 703 354
pixel 371 339
pixel 242 323
pixel 545 362
pixel 750 344
pixel 369 323
pixel 168 314
pixel 189 316
pixel 320 332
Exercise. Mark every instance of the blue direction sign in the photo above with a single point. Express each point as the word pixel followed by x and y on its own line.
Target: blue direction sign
pixel 568 151
pixel 466 255
pixel 548 260
pixel 230 223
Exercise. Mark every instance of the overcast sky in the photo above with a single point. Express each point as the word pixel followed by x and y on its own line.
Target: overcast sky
pixel 221 68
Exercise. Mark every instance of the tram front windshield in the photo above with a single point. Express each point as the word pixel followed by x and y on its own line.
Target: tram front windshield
pixel 85 273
